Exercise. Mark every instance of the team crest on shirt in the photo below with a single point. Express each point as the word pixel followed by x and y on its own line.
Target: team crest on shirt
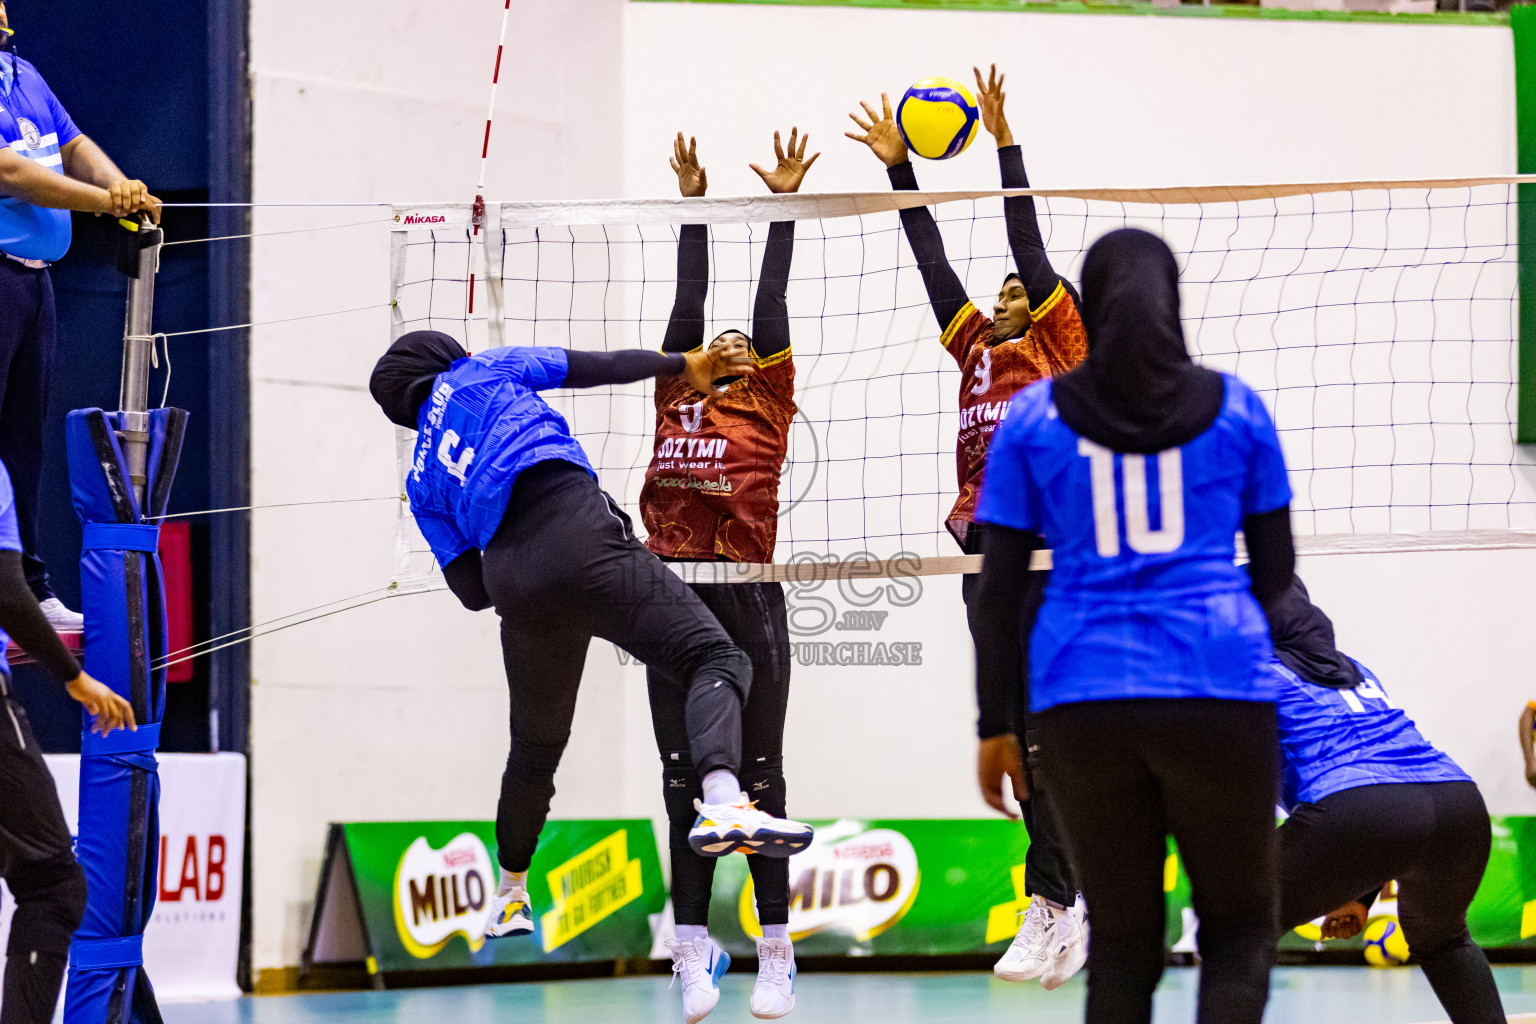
pixel 29 133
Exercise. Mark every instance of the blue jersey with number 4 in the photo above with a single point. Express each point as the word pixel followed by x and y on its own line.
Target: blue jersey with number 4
pixel 483 425
pixel 1333 740
pixel 1145 599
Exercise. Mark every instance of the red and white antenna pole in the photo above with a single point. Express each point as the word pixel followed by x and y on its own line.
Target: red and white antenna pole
pixel 477 215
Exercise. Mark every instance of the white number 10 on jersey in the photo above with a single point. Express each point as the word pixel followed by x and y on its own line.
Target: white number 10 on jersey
pixel 1138 518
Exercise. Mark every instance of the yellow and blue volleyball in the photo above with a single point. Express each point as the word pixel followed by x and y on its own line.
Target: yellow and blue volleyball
pixel 938 118
pixel 1385 945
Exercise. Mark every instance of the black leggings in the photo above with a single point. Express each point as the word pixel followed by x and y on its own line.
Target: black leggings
pixel 1123 775
pixel 39 866
pixel 755 617
pixel 565 567
pixel 1433 838
pixel 1047 870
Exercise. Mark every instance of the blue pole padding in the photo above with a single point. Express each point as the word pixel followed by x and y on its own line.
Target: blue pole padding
pixel 123 599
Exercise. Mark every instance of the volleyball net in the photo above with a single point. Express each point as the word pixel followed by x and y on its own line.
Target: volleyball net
pixel 1377 319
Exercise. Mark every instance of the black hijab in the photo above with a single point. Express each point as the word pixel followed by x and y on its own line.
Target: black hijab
pixel 1303 639
pixel 403 377
pixel 1138 390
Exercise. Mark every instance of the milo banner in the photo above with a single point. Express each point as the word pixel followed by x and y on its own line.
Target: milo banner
pixel 412 896
pixel 889 887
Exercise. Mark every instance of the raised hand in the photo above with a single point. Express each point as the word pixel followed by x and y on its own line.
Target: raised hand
pixel 790 172
pixel 703 367
pixel 990 97
pixel 691 179
pixel 880 133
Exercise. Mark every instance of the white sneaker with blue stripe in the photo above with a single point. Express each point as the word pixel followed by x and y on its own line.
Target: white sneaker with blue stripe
pixel 700 965
pixel 774 994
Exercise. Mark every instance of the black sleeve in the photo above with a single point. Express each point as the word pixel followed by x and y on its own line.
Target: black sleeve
pixel 1271 553
pixel 685 328
pixel 591 369
pixel 998 614
pixel 770 313
pixel 946 293
pixel 465 580
pixel 21 617
pixel 1034 266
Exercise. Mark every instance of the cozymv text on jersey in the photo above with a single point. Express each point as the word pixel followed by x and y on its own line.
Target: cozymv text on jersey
pixel 483 424
pixel 1332 740
pixel 1144 599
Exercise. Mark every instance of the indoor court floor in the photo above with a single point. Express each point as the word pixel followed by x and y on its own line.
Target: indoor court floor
pixel 1299 995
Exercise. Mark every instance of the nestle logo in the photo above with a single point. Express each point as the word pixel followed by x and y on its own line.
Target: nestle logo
pixel 458 858
pixel 425 218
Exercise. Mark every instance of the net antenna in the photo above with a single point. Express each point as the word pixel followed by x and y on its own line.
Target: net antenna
pixel 1377 319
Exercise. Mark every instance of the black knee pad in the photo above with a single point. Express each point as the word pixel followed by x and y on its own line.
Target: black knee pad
pixel 763 781
pixel 680 786
pixel 50 902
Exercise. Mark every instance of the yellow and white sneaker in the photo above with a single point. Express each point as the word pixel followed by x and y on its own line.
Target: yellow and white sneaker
pixel 510 915
pixel 740 827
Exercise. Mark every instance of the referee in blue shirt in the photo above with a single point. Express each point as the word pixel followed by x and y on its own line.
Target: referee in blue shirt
pixel 47 168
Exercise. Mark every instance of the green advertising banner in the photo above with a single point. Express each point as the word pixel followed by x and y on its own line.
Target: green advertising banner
pixel 421 892
pixel 934 887
pixel 416 895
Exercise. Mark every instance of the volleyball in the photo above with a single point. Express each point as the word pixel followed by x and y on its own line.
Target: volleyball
pixel 938 118
pixel 1384 943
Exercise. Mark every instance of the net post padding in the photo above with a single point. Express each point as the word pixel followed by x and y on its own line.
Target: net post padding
pixel 123 597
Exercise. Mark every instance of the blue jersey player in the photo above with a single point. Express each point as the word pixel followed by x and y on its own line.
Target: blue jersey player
pixel 510 505
pixel 1372 801
pixel 1147 669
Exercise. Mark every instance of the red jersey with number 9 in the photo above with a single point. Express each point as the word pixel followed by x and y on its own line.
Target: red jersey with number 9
pixel 712 489
pixel 992 373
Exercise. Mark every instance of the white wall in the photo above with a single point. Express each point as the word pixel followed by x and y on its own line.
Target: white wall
pixel 397 710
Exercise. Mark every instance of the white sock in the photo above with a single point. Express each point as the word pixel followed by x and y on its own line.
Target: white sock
pixel 692 932
pixel 776 931
pixel 512 881
pixel 721 787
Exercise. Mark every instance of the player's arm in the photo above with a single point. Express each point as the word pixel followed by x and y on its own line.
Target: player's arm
pixel 1024 239
pixel 541 368
pixel 21 617
pixel 1267 508
pixel 1527 723
pixel 946 293
pixel 770 311
pixel 685 327
pixel 999 661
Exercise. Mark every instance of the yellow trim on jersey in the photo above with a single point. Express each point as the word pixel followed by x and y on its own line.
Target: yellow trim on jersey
pixel 1050 303
pixel 954 325
pixel 773 360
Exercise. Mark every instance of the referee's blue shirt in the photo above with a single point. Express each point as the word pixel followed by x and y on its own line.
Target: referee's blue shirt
pixel 34 124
